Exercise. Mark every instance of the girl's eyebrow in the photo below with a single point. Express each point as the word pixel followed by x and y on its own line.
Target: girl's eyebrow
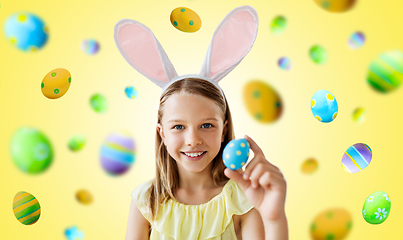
pixel 205 119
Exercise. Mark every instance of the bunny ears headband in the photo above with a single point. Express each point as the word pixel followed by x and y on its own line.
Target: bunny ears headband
pixel 231 41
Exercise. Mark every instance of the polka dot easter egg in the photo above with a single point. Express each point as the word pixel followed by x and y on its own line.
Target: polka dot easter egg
pixel 376 207
pixel 334 224
pixel 356 158
pixel 324 106
pixel 31 150
pixel 131 92
pixel 185 20
pixel 309 166
pixel 236 153
pixel 26 31
pixel 335 5
pixel 56 83
pixel 26 208
pixel 84 196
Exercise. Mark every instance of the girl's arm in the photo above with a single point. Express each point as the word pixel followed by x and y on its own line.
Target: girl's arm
pixel 137 226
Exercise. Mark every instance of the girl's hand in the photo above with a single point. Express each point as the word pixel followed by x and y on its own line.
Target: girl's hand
pixel 263 184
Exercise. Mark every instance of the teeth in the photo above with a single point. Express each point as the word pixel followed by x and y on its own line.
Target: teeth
pixel 194 154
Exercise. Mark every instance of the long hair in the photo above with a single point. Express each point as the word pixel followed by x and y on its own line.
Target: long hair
pixel 166 179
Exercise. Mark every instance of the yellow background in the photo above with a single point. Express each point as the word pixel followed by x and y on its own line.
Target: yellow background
pixel 296 136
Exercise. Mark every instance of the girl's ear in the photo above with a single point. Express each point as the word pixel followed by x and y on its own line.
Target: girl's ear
pixel 160 131
pixel 231 41
pixel 143 52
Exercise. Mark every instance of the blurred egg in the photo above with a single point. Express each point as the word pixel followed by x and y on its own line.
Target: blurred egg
pixel 376 207
pixel 76 142
pixel 85 197
pixel 117 153
pixel 324 106
pixel 236 153
pixel 284 63
pixel 335 5
pixel 332 224
pixel 356 158
pixel 309 166
pixel 185 20
pixel 56 83
pixel 73 233
pixel 356 40
pixel 359 115
pixel 31 150
pixel 318 54
pixel 90 46
pixel 386 72
pixel 131 92
pixel 278 25
pixel 99 103
pixel 262 101
pixel 26 31
pixel 26 208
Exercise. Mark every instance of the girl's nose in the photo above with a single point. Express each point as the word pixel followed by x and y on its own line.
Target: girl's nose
pixel 192 138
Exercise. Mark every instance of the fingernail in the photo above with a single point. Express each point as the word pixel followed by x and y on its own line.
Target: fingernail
pixel 245 176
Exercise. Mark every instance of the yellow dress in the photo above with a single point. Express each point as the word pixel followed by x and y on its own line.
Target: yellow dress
pixel 211 220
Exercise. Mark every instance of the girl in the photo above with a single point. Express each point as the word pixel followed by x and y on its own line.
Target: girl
pixel 192 195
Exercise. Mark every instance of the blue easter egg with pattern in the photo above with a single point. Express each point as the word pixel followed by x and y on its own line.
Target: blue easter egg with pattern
pixel 236 154
pixel 324 106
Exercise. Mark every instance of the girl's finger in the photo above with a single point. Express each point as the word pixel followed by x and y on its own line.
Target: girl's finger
pixel 256 173
pixel 268 181
pixel 253 145
pixel 249 168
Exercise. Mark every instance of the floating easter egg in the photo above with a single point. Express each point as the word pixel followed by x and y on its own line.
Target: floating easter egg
pixel 284 63
pixel 236 153
pixel 56 83
pixel 318 54
pixel 31 150
pixel 90 46
pixel 131 92
pixel 386 72
pixel 26 31
pixel 356 158
pixel 278 25
pixel 77 142
pixel 324 106
pixel 262 101
pixel 332 224
pixel 99 103
pixel 335 5
pixel 376 207
pixel 359 115
pixel 73 233
pixel 26 208
pixel 85 197
pixel 185 20
pixel 356 40
pixel 309 166
pixel 117 153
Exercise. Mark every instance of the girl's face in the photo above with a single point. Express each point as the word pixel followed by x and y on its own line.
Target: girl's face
pixel 192 124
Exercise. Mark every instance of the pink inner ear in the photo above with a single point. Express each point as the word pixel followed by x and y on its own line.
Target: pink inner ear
pixel 232 42
pixel 140 50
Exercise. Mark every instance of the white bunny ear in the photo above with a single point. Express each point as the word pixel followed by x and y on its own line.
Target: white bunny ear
pixel 143 52
pixel 231 41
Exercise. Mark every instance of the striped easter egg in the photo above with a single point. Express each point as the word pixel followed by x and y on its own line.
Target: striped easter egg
pixel 117 153
pixel 386 72
pixel 356 158
pixel 26 208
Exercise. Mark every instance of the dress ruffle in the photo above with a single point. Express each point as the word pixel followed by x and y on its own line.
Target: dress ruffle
pixel 205 221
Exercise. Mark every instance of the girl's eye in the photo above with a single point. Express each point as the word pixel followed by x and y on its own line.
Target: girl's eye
pixel 208 124
pixel 175 127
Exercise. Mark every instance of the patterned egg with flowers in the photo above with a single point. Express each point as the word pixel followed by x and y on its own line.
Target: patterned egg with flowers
pixel 376 207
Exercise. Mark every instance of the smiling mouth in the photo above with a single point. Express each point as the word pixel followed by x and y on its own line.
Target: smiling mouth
pixel 194 156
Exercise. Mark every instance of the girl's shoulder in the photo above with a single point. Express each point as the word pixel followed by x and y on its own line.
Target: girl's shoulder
pixel 140 191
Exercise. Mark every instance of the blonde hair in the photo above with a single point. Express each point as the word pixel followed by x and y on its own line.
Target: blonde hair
pixel 166 179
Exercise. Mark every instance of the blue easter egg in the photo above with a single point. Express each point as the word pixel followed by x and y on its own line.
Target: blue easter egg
pixel 236 153
pixel 131 92
pixel 324 106
pixel 26 31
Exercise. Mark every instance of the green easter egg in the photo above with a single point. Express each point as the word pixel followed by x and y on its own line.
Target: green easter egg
pixel 318 54
pixel 99 103
pixel 76 143
pixel 376 207
pixel 31 150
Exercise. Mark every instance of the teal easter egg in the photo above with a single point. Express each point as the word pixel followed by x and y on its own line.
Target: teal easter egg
pixel 386 72
pixel 324 106
pixel 99 103
pixel 26 208
pixel 318 54
pixel 117 153
pixel 131 92
pixel 236 153
pixel 26 31
pixel 376 207
pixel 31 150
pixel 76 143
